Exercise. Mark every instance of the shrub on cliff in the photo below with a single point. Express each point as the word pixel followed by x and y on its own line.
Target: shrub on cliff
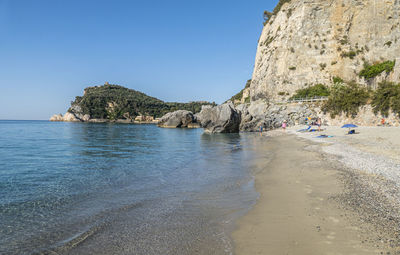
pixel 371 71
pixel 336 79
pixel 318 90
pixel 239 95
pixel 279 6
pixel 386 97
pixel 350 54
pixel 267 15
pixel 346 98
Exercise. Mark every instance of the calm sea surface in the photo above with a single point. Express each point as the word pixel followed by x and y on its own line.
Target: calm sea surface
pixel 79 188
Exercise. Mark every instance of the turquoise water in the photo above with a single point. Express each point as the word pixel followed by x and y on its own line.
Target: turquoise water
pixel 79 188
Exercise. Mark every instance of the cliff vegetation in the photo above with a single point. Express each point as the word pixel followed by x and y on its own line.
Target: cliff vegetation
pixel 318 90
pixel 346 99
pixel 371 71
pixel 239 95
pixel 386 98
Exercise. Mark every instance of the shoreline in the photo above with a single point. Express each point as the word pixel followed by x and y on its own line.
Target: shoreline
pixel 313 202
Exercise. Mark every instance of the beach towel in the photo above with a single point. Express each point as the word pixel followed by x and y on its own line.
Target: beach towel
pixel 304 129
pixel 324 136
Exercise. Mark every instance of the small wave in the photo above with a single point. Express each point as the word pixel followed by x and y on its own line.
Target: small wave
pixel 76 239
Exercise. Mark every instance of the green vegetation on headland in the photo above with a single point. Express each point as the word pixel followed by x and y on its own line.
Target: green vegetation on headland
pixel 117 102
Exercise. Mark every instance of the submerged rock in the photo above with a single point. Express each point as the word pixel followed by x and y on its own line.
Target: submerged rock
pixel 177 119
pixel 220 119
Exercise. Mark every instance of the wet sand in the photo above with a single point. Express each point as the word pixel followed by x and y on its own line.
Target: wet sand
pixel 304 206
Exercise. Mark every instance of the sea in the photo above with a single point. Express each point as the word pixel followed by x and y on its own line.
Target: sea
pixel 104 188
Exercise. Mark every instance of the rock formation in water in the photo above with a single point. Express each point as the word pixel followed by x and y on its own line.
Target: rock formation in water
pixel 220 119
pixel 70 117
pixel 177 119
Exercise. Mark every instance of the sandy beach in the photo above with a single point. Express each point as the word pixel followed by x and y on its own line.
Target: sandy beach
pixel 337 195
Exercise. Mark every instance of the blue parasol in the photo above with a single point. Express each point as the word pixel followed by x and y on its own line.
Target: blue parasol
pixel 349 126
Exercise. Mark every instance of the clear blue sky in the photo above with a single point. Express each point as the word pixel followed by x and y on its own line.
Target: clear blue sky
pixel 175 50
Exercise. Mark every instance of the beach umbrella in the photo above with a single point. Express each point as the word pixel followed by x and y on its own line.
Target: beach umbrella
pixel 349 126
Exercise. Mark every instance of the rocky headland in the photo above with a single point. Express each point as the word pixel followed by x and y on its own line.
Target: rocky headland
pixel 114 103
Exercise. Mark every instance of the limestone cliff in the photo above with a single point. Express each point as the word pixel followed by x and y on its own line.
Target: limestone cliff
pixel 309 42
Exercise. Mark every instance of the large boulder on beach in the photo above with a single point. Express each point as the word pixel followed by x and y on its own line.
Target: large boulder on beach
pixel 177 119
pixel 253 116
pixel 220 119
pixel 270 116
pixel 258 109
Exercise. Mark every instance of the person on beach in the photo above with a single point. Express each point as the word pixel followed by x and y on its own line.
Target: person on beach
pixel 284 125
pixel 261 130
pixel 319 122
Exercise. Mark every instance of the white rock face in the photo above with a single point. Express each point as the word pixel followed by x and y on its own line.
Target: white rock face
pixel 85 117
pixel 67 117
pixel 70 117
pixel 56 117
pixel 306 43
